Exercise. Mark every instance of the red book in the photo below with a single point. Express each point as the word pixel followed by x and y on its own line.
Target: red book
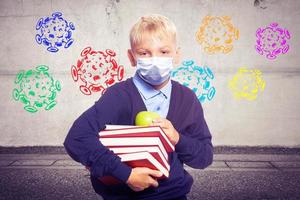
pixel 154 150
pixel 138 159
pixel 134 132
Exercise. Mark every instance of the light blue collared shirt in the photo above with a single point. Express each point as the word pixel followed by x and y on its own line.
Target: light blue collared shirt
pixel 155 100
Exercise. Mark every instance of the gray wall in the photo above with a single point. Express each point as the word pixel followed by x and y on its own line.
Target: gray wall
pixel 270 120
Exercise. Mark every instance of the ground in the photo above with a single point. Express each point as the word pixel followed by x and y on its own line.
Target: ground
pixel 233 175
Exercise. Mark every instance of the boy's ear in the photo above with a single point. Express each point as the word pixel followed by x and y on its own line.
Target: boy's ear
pixel 177 56
pixel 131 57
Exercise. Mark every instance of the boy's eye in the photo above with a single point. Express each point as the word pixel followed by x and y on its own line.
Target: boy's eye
pixel 165 52
pixel 142 53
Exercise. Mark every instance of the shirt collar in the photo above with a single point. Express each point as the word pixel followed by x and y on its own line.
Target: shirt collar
pixel 147 91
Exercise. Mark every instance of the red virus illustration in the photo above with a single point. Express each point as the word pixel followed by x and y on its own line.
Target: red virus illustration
pixel 97 70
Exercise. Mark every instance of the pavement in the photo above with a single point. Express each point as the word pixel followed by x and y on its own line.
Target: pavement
pixel 233 175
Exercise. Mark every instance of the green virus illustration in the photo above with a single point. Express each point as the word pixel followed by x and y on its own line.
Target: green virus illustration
pixel 36 89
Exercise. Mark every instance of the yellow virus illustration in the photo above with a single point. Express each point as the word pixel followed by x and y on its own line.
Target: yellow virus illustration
pixel 247 84
pixel 217 34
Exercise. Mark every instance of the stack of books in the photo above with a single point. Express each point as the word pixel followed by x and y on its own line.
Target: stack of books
pixel 138 146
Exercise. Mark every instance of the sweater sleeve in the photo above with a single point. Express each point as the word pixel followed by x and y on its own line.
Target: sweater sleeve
pixel 82 142
pixel 194 147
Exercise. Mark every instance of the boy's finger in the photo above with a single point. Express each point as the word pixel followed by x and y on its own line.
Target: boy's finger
pixel 156 124
pixel 162 125
pixel 157 120
pixel 153 182
pixel 154 173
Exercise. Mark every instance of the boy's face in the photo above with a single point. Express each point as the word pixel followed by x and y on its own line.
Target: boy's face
pixel 154 47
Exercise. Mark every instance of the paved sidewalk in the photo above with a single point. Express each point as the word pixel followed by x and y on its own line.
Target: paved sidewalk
pixel 231 162
pixel 231 176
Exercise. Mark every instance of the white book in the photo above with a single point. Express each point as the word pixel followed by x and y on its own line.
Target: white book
pixel 113 127
pixel 127 131
pixel 151 149
pixel 144 157
pixel 134 142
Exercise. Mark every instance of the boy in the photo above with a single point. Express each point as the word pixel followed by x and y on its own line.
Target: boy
pixel 153 52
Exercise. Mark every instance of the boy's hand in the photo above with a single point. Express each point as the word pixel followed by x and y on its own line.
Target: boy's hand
pixel 142 178
pixel 167 126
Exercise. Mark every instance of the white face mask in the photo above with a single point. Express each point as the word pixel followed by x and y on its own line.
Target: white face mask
pixel 154 70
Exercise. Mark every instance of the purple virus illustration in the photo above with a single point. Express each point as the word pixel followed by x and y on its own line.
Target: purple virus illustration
pixel 272 41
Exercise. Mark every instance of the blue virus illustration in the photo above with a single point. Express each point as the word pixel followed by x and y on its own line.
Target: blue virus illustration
pixel 196 78
pixel 54 32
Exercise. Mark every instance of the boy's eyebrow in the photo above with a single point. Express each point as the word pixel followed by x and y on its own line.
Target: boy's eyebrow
pixel 140 49
pixel 145 49
pixel 165 47
pixel 168 48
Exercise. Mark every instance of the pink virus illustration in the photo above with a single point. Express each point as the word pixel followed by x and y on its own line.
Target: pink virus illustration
pixel 272 41
pixel 96 70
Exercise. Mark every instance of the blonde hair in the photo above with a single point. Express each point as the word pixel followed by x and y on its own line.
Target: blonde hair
pixel 157 25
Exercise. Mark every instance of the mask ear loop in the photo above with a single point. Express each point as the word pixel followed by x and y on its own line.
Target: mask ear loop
pixel 132 57
pixel 177 58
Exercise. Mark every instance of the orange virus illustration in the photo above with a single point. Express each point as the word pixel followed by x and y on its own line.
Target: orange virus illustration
pixel 247 84
pixel 217 34
pixel 96 70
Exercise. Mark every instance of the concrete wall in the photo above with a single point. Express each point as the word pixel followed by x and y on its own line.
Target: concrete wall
pixel 270 120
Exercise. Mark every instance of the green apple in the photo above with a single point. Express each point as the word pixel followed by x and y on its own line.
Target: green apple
pixel 145 118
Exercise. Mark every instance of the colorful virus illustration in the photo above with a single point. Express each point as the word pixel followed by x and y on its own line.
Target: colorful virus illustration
pixel 36 88
pixel 247 84
pixel 217 34
pixel 196 78
pixel 272 41
pixel 54 32
pixel 97 70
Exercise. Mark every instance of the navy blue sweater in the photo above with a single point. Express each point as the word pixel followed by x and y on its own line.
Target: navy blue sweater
pixel 119 105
